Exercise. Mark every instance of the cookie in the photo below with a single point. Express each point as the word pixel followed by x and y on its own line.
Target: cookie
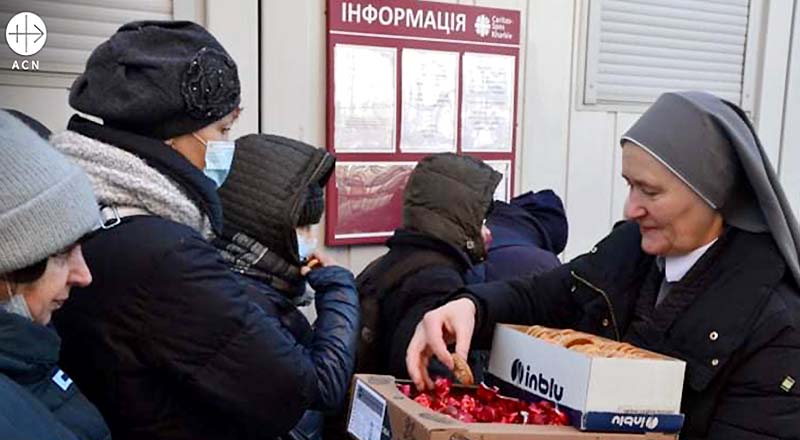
pixel 461 370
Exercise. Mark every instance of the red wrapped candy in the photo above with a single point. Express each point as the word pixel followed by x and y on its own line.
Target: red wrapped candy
pixel 484 404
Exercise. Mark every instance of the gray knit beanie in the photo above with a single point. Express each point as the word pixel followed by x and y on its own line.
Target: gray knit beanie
pixel 46 202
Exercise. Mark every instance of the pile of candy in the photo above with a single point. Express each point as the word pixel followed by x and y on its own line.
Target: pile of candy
pixel 484 405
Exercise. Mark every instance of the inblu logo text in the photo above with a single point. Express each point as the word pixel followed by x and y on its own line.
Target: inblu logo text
pixel 547 387
pixel 649 422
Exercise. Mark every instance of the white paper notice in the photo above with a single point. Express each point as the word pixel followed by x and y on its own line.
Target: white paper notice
pixel 364 98
pixel 487 113
pixel 503 190
pixel 366 414
pixel 430 89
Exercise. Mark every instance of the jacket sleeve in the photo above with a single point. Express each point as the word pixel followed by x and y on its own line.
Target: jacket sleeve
pixel 544 299
pixel 219 347
pixel 404 308
pixel 333 346
pixel 761 399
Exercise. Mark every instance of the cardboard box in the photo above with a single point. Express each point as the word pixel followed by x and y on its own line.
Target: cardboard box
pixel 599 394
pixel 379 411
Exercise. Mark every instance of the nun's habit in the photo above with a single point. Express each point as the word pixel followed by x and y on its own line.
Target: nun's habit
pixel 711 146
pixel 734 317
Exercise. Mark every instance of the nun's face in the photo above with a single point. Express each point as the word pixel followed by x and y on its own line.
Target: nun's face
pixel 673 219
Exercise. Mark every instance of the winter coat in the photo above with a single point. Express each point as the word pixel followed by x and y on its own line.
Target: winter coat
pixel 262 199
pixel 445 202
pixel 734 318
pixel 38 400
pixel 416 274
pixel 527 234
pixel 326 353
pixel 166 341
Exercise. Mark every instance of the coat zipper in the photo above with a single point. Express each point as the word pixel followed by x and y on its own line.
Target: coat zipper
pixel 605 297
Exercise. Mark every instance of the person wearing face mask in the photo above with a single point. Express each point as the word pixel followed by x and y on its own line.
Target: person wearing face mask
pixel 445 204
pixel 46 206
pixel 273 201
pixel 704 269
pixel 166 341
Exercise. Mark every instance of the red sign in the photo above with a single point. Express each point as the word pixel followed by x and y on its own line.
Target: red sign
pixel 420 20
pixel 407 79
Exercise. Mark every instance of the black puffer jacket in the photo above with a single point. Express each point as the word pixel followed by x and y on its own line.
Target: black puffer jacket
pixel 734 318
pixel 326 352
pixel 42 400
pixel 262 199
pixel 166 341
pixel 446 200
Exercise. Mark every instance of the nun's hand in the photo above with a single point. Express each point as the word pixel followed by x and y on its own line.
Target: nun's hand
pixel 454 321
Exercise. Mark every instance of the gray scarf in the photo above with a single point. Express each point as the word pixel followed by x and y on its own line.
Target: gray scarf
pixel 711 146
pixel 120 178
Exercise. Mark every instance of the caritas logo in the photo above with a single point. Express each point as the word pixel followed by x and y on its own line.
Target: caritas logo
pixel 482 25
pixel 521 374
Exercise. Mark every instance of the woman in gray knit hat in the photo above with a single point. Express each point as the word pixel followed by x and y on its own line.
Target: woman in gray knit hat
pixel 165 341
pixel 46 206
pixel 705 269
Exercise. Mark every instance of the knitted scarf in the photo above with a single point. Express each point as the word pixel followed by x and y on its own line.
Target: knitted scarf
pixel 120 178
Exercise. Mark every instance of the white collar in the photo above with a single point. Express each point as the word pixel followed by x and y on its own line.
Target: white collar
pixel 677 266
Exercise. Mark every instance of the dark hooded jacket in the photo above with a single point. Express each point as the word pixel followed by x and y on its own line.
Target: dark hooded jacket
pixel 262 199
pixel 166 341
pixel 445 202
pixel 527 235
pixel 42 401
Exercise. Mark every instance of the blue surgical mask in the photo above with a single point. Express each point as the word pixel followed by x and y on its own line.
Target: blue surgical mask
pixel 306 246
pixel 219 157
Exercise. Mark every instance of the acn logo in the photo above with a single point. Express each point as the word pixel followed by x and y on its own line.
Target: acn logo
pixel 26 34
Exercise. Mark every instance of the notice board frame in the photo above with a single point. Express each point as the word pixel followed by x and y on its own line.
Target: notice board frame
pixel 404 25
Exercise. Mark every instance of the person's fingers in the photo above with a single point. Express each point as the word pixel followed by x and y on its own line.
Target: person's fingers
pixel 414 357
pixel 324 259
pixel 463 334
pixel 304 270
pixel 425 375
pixel 432 324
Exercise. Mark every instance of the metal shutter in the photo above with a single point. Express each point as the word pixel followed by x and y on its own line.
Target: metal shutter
pixel 637 49
pixel 76 27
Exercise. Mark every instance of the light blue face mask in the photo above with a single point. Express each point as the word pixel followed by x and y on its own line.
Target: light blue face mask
pixel 219 157
pixel 306 246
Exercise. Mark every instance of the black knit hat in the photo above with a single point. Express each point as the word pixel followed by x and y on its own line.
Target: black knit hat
pixel 160 79
pixel 313 206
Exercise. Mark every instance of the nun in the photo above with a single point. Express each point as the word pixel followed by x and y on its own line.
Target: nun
pixel 704 268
